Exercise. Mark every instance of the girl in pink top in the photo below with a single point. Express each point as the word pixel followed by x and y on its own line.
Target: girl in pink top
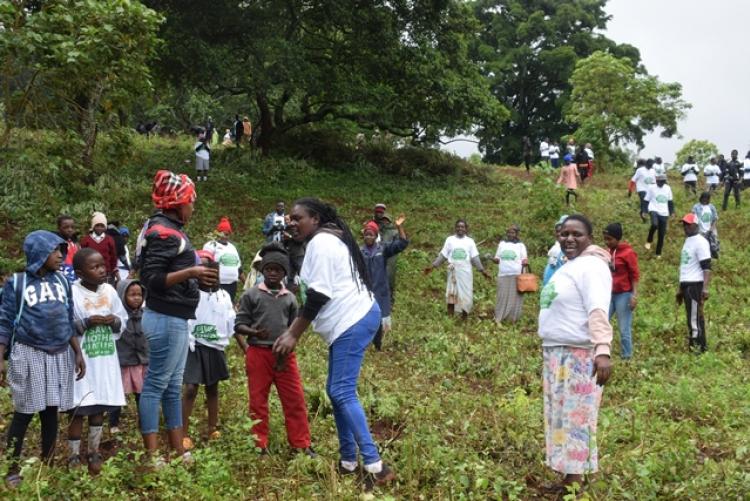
pixel 569 177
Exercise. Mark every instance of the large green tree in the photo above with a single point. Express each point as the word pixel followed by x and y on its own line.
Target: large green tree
pixel 528 50
pixel 68 63
pixel 700 149
pixel 612 104
pixel 400 66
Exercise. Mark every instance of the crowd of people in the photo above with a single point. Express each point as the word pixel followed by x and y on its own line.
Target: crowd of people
pixel 84 326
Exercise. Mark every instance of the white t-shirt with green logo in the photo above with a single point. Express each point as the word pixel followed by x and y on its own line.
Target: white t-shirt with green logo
pixel 579 287
pixel 228 258
pixel 712 173
pixel 694 250
pixel 459 250
pixel 706 215
pixel 658 199
pixel 214 320
pixel 643 178
pixel 511 256
pixel 102 383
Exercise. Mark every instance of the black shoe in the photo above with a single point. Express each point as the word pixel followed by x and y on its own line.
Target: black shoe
pixel 380 479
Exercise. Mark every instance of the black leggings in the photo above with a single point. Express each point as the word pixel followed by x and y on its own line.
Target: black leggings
pixel 731 187
pixel 657 223
pixel 114 416
pixel 567 196
pixel 17 432
pixel 692 295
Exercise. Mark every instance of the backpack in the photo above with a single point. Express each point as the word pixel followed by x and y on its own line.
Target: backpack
pixel 20 302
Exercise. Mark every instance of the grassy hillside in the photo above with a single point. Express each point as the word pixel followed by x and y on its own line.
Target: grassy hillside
pixel 456 407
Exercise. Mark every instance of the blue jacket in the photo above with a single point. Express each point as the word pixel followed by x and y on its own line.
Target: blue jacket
pixel 47 319
pixel 375 260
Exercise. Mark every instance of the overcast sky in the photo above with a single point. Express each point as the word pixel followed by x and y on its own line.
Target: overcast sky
pixel 705 46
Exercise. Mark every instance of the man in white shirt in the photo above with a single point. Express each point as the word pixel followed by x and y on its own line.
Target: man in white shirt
pixel 544 150
pixel 695 275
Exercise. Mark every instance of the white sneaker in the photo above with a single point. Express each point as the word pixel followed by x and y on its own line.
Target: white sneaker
pixel 647 246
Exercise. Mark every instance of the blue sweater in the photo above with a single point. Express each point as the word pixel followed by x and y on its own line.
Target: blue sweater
pixel 375 260
pixel 47 318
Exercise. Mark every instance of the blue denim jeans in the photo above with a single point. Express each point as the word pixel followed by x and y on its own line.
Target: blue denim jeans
pixel 345 357
pixel 168 344
pixel 620 305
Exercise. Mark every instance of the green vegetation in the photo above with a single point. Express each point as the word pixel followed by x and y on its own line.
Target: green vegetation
pixel 701 150
pixel 456 408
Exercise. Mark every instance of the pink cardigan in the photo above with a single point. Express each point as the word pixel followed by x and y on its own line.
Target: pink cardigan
pixel 569 176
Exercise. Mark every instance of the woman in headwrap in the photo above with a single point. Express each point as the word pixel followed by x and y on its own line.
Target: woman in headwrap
pixel 576 337
pixel 511 256
pixel 171 273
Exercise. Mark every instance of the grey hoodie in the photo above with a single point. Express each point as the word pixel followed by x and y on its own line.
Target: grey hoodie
pixel 132 347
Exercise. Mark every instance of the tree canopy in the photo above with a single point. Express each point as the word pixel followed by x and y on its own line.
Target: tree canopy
pixel 612 104
pixel 700 149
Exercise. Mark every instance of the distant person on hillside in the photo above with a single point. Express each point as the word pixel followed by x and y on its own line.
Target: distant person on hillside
pixel 590 153
pixel 227 141
pixel 695 275
pixel 690 173
pixel 583 162
pixel 225 253
pixel 731 175
pixel 388 232
pixel 512 258
pixel 210 129
pixel 555 255
pixel 643 178
pixel 274 224
pixel 712 173
pixel 576 337
pixel 460 251
pixel 247 130
pixel 202 156
pixel 746 171
pixel 554 154
pixel 569 176
pixel 124 264
pixel 66 229
pixel 659 168
pixel 544 151
pixel 708 216
pixel 104 244
pixel 571 147
pixel 527 152
pixel 239 131
pixel 377 255
pixel 660 207
pixel 625 276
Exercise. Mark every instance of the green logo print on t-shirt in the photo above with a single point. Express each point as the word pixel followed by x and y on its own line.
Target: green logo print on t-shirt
pixel 508 255
pixel 229 260
pixel 98 342
pixel 206 331
pixel 548 295
pixel 706 217
pixel 662 199
pixel 459 255
pixel 684 257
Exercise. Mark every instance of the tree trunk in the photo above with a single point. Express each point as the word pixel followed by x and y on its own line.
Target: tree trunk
pixel 88 127
pixel 267 128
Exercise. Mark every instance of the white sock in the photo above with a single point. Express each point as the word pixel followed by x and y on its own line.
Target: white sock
pixel 374 467
pixel 349 465
pixel 75 447
pixel 95 437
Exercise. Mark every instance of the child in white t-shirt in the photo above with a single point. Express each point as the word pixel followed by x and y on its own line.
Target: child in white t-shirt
pixel 206 363
pixel 99 317
pixel 202 155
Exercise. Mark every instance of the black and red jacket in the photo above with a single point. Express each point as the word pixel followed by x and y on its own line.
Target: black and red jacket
pixel 167 249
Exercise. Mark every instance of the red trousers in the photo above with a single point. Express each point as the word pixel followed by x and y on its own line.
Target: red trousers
pixel 259 365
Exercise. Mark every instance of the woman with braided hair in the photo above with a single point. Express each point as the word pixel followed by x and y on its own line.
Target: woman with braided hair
pixel 171 273
pixel 340 306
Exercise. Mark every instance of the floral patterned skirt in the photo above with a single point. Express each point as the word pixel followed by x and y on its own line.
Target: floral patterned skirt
pixel 571 409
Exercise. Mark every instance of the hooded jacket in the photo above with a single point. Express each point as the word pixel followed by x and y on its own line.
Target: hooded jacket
pixel 132 347
pixel 375 261
pixel 47 319
pixel 624 267
pixel 167 249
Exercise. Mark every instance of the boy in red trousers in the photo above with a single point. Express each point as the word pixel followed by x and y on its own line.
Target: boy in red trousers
pixel 265 312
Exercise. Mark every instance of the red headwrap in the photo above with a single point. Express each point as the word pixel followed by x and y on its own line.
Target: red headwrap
pixel 172 190
pixel 372 226
pixel 204 254
pixel 224 226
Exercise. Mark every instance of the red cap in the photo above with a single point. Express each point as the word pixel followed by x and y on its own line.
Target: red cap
pixel 690 218
pixel 204 254
pixel 224 226
pixel 372 226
